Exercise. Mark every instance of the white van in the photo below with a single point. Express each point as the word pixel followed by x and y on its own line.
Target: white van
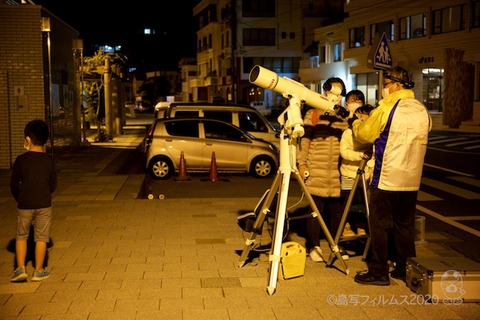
pixel 160 109
pixel 244 117
pixel 260 106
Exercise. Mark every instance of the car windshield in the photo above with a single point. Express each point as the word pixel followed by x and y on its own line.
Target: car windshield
pixel 250 121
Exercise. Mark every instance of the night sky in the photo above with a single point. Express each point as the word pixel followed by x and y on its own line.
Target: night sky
pixel 111 22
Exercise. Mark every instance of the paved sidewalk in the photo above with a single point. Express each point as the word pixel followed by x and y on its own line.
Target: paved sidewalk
pixel 118 257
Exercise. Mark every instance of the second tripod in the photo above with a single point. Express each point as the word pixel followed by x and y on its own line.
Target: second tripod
pixel 360 177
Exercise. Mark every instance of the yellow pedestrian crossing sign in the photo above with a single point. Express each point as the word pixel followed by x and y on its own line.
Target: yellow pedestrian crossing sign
pixel 380 56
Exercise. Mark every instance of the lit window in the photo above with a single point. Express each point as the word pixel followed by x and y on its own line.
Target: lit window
pixel 448 19
pixel 357 37
pixel 380 28
pixel 148 31
pixel 413 26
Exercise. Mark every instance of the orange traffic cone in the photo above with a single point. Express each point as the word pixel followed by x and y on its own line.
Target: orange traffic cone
pixel 182 170
pixel 213 175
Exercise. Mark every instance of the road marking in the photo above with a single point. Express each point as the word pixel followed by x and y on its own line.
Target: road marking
pixel 436 138
pixel 451 189
pixel 465 218
pixel 449 170
pixel 423 196
pixel 448 221
pixel 471 148
pixel 468 180
pixel 464 151
pixel 462 143
pixel 464 177
pixel 446 140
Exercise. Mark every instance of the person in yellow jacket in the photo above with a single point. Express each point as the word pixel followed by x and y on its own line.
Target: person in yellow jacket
pixel 398 129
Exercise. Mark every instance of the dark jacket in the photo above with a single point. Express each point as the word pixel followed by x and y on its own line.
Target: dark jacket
pixel 33 180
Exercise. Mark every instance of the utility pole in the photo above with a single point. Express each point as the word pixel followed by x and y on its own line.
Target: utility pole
pixel 83 109
pixel 233 27
pixel 78 49
pixel 108 101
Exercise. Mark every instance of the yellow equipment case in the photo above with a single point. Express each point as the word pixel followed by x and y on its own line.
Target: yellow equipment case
pixel 293 257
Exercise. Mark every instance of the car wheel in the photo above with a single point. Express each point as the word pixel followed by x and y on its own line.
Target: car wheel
pixel 160 168
pixel 262 167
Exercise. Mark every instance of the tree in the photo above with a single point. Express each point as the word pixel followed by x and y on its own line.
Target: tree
pixel 94 70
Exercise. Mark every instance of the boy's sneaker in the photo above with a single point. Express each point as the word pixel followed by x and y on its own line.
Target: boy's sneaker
pixel 19 275
pixel 40 275
pixel 316 254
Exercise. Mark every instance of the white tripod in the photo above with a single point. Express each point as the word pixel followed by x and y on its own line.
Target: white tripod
pixel 292 129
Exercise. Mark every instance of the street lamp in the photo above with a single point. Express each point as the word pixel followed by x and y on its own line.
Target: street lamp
pixel 47 70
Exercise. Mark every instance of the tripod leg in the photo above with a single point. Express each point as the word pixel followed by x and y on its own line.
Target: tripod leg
pixel 278 233
pixel 257 226
pixel 346 210
pixel 367 210
pixel 317 215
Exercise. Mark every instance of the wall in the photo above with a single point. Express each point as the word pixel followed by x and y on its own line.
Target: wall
pixel 22 92
pixel 21 77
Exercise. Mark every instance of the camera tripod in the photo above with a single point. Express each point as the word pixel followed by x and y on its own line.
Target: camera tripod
pixel 359 177
pixel 292 129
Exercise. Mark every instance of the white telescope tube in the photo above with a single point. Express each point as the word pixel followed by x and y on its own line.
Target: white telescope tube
pixel 268 79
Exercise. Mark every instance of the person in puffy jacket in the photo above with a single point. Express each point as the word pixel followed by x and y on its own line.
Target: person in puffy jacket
pixel 318 159
pixel 398 129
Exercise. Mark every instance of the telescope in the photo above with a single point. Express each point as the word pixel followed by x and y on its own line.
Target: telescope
pixel 288 88
pixel 292 129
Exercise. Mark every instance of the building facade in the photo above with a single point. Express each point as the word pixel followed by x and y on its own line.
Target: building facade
pixel 437 41
pixel 235 35
pixel 188 71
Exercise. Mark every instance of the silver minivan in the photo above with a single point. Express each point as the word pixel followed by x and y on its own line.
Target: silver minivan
pixel 245 117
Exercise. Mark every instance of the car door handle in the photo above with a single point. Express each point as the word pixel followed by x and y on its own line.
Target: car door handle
pixel 209 143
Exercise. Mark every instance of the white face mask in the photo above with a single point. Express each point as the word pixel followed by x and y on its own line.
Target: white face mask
pixel 385 92
pixel 353 106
